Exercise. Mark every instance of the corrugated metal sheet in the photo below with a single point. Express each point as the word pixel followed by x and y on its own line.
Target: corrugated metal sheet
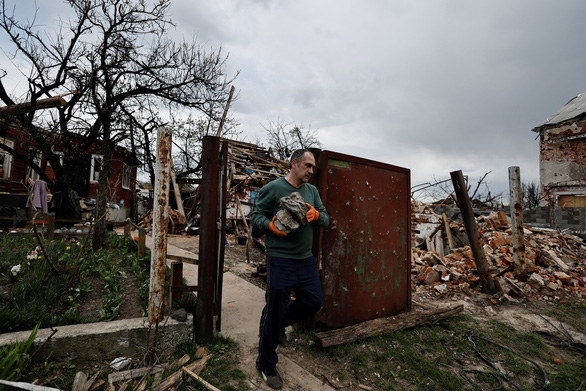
pixel 366 250
pixel 572 109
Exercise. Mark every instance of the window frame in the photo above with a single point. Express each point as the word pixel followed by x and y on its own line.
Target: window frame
pixel 126 176
pixel 93 170
pixel 6 171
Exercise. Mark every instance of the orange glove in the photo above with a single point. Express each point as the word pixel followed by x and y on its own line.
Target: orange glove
pixel 311 214
pixel 276 230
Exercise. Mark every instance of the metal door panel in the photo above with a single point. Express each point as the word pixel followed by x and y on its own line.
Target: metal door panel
pixel 365 252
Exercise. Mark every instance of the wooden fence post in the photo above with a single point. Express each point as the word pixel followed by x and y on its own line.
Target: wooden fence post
pixel 141 242
pixel 176 281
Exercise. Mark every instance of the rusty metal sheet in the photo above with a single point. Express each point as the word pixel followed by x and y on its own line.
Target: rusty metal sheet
pixel 211 238
pixel 366 250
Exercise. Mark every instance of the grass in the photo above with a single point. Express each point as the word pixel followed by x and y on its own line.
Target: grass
pixel 459 353
pixel 23 269
pixel 221 370
pixel 449 356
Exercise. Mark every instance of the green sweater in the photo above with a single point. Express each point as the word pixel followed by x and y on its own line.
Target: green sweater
pixel 298 244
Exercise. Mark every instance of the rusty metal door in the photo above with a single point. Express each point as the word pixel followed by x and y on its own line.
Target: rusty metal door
pixel 366 250
pixel 211 238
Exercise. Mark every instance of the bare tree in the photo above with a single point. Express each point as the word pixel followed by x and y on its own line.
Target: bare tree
pixel 117 58
pixel 189 134
pixel 286 137
pixel 440 190
pixel 531 194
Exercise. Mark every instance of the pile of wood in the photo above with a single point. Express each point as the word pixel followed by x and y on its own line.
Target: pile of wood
pixel 252 166
pixel 136 379
pixel 179 221
pixel 555 263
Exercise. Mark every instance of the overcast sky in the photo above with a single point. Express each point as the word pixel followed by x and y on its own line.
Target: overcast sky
pixel 433 86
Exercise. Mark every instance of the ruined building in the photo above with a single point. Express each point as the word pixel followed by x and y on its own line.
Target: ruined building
pixel 562 164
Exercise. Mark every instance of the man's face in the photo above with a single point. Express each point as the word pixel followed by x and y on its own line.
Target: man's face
pixel 304 169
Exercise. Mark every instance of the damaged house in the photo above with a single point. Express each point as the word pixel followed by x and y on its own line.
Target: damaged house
pixel 17 178
pixel 562 165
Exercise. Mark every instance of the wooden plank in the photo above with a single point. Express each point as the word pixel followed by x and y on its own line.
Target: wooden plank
pixel 448 231
pixel 199 379
pixel 134 373
pixel 195 367
pixel 380 326
pixel 26 386
pixel 183 259
pixel 176 190
pixel 242 214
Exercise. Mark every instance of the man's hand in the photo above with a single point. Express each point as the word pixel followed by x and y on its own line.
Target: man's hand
pixel 311 214
pixel 276 230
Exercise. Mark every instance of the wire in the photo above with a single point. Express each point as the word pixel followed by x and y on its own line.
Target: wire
pixel 545 383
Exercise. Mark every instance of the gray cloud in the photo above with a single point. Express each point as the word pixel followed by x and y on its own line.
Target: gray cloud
pixel 434 86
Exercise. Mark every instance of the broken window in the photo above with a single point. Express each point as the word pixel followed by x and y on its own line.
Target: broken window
pixel 96 168
pixel 126 177
pixel 5 159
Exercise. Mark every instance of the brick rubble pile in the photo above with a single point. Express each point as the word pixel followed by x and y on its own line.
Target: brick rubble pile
pixel 555 264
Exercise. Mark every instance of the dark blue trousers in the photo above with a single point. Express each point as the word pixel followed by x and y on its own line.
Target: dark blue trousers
pixel 283 276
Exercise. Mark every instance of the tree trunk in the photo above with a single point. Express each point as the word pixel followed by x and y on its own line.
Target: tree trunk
pixel 99 238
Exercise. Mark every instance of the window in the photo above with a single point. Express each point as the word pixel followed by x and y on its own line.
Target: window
pixel 5 159
pixel 126 176
pixel 37 158
pixel 96 168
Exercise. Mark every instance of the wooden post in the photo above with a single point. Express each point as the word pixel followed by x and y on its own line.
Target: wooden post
pixel 176 280
pixel 448 231
pixel 486 280
pixel 51 226
pixel 242 214
pixel 160 227
pixel 516 202
pixel 219 133
pixel 141 242
pixel 127 229
pixel 176 190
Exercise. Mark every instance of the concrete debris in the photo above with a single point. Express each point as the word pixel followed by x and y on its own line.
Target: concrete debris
pixel 120 363
pixel 292 214
pixel 555 261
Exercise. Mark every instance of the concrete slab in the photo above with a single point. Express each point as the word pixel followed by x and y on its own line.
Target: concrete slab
pixel 94 341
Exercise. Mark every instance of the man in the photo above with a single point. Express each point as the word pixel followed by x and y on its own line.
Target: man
pixel 290 262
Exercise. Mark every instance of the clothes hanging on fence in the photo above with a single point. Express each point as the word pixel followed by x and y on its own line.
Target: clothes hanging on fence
pixel 39 196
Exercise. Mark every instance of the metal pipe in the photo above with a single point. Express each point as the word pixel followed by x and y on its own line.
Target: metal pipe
pixel 160 226
pixel 516 201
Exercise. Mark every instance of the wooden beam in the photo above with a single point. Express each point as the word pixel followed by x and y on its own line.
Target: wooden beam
pixel 380 326
pixel 448 231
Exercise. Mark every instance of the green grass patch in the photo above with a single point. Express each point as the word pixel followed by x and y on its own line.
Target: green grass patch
pixel 221 371
pixel 24 269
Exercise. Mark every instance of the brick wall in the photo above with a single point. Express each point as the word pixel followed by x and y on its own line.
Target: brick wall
pixel 572 218
pixel 562 150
